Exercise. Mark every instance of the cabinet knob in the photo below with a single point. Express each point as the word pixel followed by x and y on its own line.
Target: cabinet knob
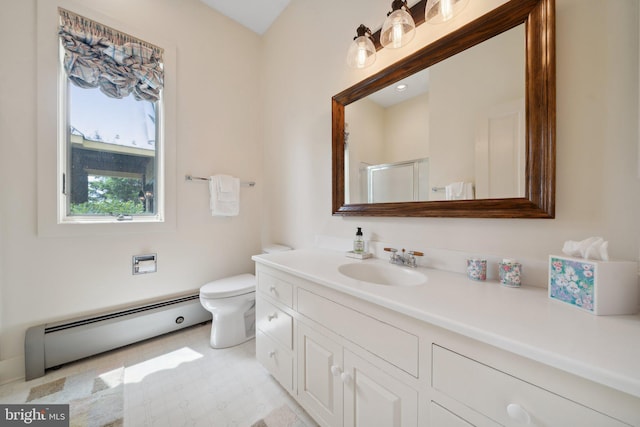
pixel 346 378
pixel 273 289
pixel 336 370
pixel 272 354
pixel 518 413
pixel 272 316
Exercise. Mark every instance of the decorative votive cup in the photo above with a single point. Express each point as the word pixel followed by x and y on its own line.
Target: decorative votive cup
pixel 510 272
pixel 477 269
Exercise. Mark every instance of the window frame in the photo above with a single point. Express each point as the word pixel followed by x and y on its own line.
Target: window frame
pixel 64 160
pixel 45 175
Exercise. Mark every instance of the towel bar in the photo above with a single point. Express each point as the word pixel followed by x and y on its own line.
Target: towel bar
pixel 199 178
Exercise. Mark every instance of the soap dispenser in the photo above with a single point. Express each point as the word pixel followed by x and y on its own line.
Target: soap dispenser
pixel 358 242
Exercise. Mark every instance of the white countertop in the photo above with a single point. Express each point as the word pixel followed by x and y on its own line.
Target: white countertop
pixel 524 321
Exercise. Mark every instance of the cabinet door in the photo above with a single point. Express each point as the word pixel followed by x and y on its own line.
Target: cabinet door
pixel 373 398
pixel 319 381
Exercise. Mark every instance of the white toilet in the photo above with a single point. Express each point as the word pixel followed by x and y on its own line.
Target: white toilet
pixel 232 302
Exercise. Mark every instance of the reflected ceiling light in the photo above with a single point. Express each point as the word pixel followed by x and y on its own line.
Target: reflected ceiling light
pixel 399 28
pixel 438 11
pixel 402 87
pixel 362 51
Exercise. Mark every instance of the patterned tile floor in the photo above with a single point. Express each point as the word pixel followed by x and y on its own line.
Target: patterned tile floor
pixel 178 380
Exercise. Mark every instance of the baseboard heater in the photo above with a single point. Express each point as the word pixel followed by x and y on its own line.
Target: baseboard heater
pixel 54 344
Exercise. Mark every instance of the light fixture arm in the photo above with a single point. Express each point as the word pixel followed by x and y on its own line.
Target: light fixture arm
pixel 399 4
pixel 363 30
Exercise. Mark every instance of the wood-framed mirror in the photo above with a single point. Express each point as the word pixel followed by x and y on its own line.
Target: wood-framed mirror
pixel 537 18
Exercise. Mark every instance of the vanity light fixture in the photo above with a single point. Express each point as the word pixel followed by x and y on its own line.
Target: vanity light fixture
pixel 362 51
pixel 437 11
pixel 399 27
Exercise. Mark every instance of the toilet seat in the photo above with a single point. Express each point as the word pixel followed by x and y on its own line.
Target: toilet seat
pixel 229 287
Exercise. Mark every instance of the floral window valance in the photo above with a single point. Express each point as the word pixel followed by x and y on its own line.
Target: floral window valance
pixel 99 56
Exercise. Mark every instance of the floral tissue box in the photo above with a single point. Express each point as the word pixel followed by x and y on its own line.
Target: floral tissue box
pixel 599 287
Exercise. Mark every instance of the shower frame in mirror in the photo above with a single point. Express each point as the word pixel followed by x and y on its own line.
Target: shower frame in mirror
pixel 540 109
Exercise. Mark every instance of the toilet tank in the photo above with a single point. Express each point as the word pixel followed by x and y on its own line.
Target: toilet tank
pixel 269 249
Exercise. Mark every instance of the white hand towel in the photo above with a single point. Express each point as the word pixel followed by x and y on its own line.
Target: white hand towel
pixel 228 188
pixel 459 191
pixel 467 192
pixel 224 195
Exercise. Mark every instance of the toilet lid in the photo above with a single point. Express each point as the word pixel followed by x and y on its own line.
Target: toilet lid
pixel 229 286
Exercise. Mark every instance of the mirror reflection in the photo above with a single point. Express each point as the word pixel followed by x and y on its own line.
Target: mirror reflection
pixel 454 131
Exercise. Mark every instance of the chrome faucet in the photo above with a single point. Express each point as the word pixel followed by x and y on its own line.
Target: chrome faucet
pixel 405 258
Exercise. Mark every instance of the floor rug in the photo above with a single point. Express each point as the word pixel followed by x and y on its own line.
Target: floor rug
pixel 280 417
pixel 94 400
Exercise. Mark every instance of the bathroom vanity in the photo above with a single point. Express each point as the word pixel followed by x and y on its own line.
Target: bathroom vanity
pixel 448 352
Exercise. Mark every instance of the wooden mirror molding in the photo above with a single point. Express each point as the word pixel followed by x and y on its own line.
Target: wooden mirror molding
pixel 540 128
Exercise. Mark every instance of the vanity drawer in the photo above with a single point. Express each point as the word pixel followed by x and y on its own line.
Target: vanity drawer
pixel 277 360
pixel 274 322
pixel 276 288
pixel 490 392
pixel 396 346
pixel 440 416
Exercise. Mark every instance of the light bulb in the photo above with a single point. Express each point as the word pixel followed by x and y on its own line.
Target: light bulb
pixel 361 57
pixel 362 52
pixel 397 34
pixel 437 11
pixel 398 29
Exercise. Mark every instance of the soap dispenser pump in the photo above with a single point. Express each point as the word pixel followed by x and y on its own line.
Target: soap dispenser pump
pixel 358 242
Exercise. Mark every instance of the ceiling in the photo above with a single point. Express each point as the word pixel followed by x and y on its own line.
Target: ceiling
pixel 256 15
pixel 415 85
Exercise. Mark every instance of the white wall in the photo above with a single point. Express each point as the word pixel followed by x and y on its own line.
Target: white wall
pixel 407 129
pixel 365 124
pixel 598 191
pixel 462 89
pixel 50 276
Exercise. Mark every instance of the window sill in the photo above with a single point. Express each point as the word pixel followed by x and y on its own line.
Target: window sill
pixel 111 220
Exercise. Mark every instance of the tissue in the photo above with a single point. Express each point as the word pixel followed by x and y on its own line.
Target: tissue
pixel 594 248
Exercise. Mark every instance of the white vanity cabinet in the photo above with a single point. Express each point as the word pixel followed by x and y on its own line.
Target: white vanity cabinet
pixel 344 373
pixel 341 388
pixel 351 362
pixel 274 328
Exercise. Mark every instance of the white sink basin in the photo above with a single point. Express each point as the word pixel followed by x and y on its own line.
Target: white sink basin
pixel 383 274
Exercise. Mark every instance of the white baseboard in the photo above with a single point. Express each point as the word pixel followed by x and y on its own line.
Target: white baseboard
pixel 11 370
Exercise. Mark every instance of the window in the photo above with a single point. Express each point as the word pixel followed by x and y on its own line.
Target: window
pixel 112 147
pixel 111 124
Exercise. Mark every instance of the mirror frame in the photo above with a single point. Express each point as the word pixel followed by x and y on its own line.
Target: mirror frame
pixel 540 109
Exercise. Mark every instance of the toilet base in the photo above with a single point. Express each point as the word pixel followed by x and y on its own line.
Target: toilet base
pixel 219 344
pixel 228 331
